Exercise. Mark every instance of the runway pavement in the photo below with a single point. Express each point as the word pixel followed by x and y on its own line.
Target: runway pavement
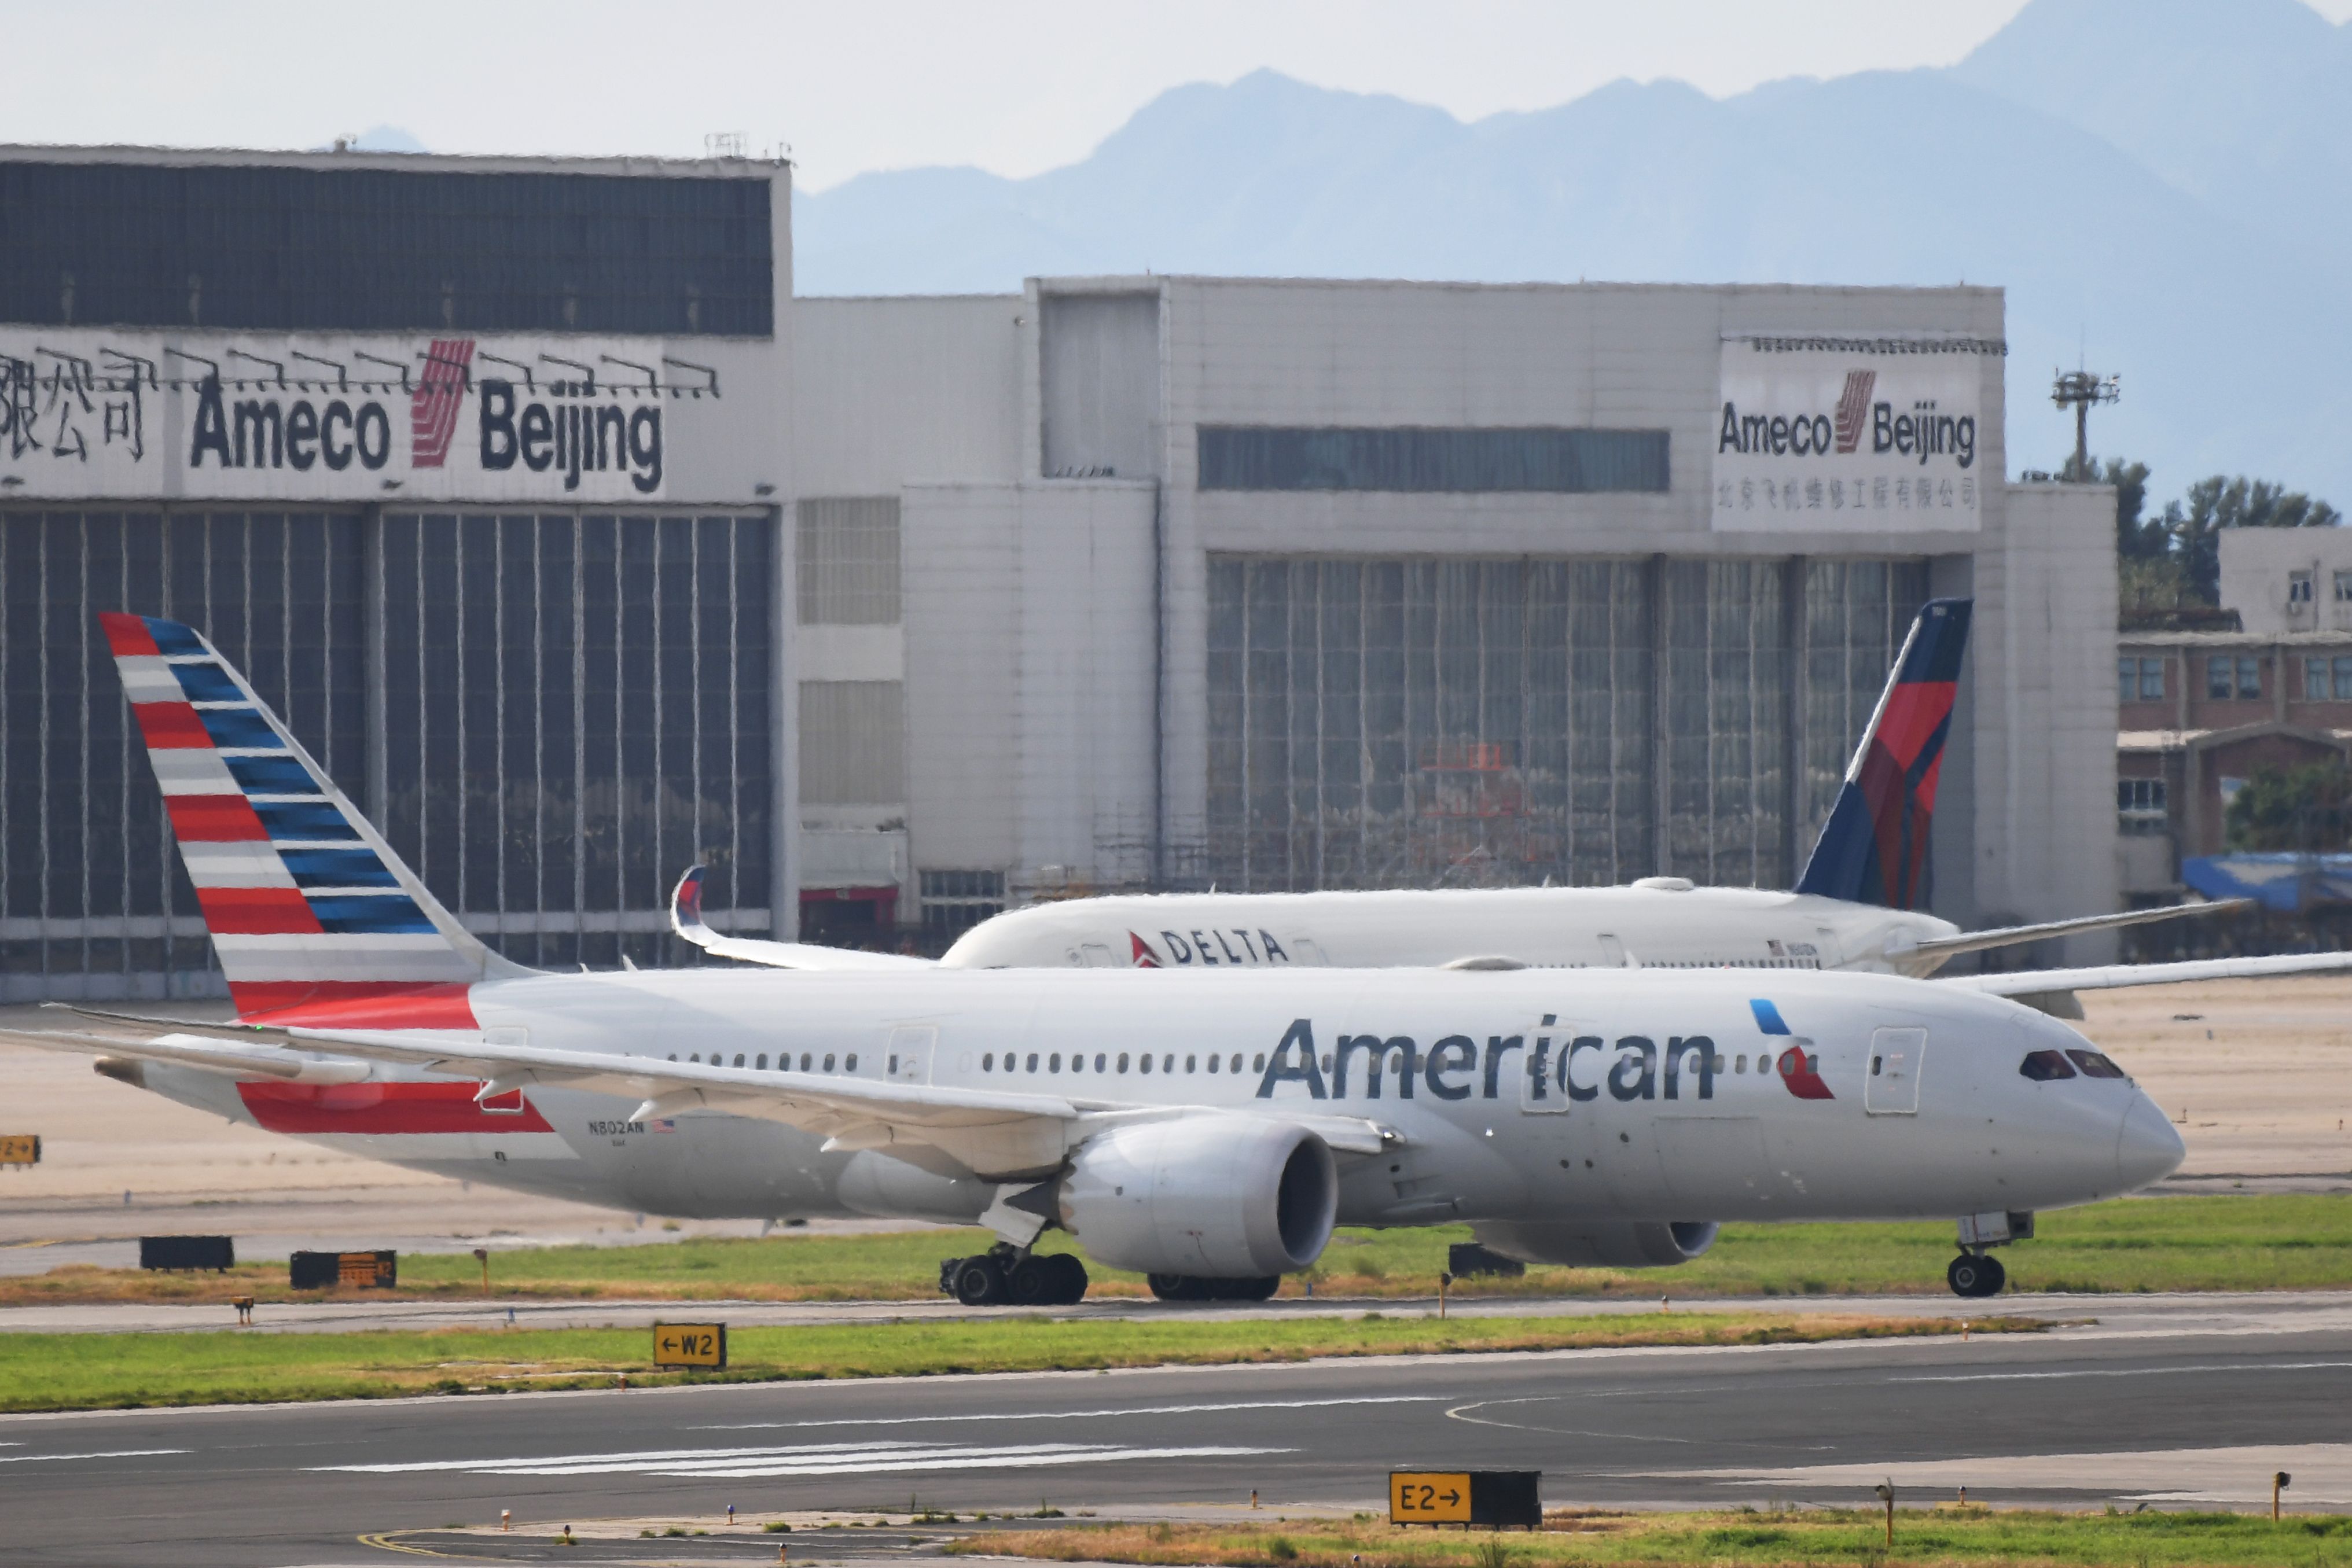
pixel 2178 1408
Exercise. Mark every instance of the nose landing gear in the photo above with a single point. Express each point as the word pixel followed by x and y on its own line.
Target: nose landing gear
pixel 1976 1272
pixel 1972 1274
pixel 1009 1276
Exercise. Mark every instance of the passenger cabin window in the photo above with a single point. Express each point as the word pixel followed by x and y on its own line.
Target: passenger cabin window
pixel 849 1064
pixel 2045 1066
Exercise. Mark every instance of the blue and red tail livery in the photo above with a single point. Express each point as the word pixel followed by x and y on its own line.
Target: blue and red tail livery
pixel 315 921
pixel 1874 847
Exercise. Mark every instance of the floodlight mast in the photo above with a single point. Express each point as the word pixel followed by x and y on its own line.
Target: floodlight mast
pixel 2080 390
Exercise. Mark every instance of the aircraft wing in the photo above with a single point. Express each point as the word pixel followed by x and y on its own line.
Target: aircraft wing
pixel 2009 936
pixel 686 919
pixel 233 1058
pixel 2111 976
pixel 996 1135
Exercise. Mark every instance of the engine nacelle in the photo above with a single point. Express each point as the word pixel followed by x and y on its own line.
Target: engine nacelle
pixel 1621 1244
pixel 1220 1197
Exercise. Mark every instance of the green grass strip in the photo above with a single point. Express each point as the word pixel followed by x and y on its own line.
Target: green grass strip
pixel 93 1371
pixel 1744 1537
pixel 2271 1242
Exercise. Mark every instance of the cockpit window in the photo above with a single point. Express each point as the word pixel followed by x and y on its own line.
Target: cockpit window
pixel 2044 1066
pixel 2094 1065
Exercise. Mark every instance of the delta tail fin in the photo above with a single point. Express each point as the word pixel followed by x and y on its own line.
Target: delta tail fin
pixel 1873 848
pixel 315 921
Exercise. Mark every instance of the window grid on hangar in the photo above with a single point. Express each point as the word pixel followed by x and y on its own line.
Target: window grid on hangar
pixel 529 672
pixel 253 247
pixel 1410 722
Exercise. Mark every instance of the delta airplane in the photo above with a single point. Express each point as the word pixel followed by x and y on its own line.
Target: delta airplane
pixel 1208 1129
pixel 1854 909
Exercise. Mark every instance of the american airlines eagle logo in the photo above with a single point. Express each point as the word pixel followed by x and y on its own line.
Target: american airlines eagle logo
pixel 1798 1068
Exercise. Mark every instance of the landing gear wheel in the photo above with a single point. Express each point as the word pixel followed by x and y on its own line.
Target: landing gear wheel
pixel 1976 1275
pixel 1252 1289
pixel 978 1282
pixel 1033 1282
pixel 1177 1287
pixel 1069 1279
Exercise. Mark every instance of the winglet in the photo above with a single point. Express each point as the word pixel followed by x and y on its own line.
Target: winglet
pixel 1874 847
pixel 686 908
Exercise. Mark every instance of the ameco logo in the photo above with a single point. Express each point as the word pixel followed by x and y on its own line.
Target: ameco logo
pixel 1854 410
pixel 432 405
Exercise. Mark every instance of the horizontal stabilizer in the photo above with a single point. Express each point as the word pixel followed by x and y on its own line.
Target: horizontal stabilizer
pixel 2113 976
pixel 2009 936
pixel 686 919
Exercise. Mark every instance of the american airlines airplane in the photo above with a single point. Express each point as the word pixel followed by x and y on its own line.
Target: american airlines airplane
pixel 1854 908
pixel 1208 1129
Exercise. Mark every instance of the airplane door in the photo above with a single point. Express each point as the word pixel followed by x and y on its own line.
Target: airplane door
pixel 1303 950
pixel 1096 956
pixel 909 1058
pixel 1543 1081
pixel 1897 1056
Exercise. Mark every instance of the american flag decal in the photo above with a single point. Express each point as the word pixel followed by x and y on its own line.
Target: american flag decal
pixel 433 406
pixel 1853 407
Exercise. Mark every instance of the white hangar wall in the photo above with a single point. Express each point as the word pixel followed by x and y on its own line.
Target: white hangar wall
pixel 1552 621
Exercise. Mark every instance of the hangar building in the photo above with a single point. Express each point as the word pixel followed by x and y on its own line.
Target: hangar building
pixel 577 549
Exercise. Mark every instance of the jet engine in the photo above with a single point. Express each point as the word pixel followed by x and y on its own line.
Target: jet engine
pixel 1218 1197
pixel 1621 1244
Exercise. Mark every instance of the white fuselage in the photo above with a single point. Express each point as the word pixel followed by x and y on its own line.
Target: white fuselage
pixel 1510 1095
pixel 1661 924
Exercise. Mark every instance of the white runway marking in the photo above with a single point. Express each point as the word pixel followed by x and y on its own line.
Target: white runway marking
pixel 111 1454
pixel 826 1460
pixel 2118 1372
pixel 1076 1415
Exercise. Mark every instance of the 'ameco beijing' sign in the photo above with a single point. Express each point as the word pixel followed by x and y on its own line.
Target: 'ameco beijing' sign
pixel 139 416
pixel 1853 433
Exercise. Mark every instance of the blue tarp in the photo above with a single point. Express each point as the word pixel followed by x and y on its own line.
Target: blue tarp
pixel 2285 882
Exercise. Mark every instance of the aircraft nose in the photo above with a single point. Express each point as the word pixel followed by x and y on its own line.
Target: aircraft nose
pixel 2146 1147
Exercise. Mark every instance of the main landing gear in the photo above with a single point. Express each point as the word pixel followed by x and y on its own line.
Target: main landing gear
pixel 1009 1276
pixel 1192 1288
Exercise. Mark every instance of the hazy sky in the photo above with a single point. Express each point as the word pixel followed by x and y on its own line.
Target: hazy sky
pixel 1016 87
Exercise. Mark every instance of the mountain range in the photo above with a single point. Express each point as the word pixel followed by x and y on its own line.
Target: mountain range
pixel 2160 185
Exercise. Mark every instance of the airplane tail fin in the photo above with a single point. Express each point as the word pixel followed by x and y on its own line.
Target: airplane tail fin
pixel 1873 848
pixel 315 921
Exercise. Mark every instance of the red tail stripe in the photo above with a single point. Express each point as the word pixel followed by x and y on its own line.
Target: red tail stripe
pixel 257 911
pixel 128 635
pixel 1912 714
pixel 383 1108
pixel 171 727
pixel 213 819
pixel 352 1004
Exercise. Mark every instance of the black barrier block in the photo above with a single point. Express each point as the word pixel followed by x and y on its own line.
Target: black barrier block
pixel 314 1270
pixel 1507 1499
pixel 1465 1258
pixel 217 1252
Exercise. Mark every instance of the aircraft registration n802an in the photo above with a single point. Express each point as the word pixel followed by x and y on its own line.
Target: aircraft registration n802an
pixel 1207 1129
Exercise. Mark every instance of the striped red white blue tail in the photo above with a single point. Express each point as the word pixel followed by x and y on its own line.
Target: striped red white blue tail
pixel 315 919
pixel 1874 847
